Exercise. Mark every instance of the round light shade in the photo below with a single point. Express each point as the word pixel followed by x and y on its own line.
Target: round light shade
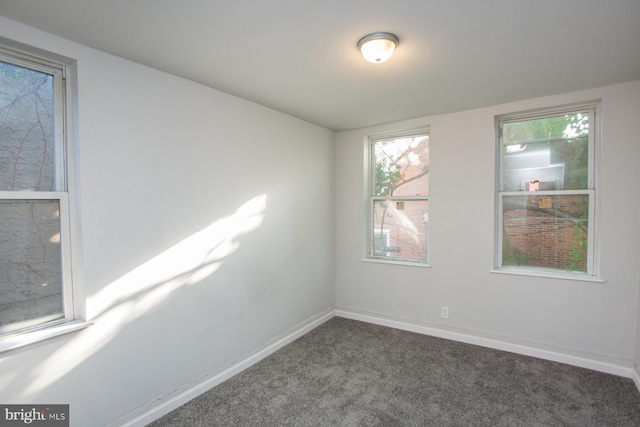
pixel 378 47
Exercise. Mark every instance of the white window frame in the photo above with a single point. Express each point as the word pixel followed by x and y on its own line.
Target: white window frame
pixel 372 198
pixel 591 266
pixel 74 316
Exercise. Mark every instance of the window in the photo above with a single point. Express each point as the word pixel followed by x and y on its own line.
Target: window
pixel 546 192
pixel 399 197
pixel 35 270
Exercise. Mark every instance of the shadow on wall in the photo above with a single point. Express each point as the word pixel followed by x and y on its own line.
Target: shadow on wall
pixel 147 287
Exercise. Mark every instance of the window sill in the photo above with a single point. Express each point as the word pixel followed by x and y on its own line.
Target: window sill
pixel 11 342
pixel 385 261
pixel 549 274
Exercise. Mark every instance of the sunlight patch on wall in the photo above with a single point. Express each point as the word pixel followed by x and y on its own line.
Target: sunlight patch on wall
pixel 148 286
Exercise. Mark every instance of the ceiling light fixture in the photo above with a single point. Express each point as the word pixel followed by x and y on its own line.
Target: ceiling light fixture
pixel 378 47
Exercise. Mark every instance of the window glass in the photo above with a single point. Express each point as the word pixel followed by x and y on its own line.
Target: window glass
pixel 546 231
pixel 402 166
pixel 30 260
pixel 26 129
pixel 546 128
pixel 400 229
pixel 550 153
pixel 400 198
pixel 546 192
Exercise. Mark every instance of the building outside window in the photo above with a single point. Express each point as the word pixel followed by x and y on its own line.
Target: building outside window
pixel 399 197
pixel 35 257
pixel 546 191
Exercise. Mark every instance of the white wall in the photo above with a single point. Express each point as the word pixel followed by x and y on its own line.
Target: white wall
pixel 636 361
pixel 161 159
pixel 584 319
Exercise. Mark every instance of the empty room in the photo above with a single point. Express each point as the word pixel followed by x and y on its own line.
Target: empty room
pixel 297 212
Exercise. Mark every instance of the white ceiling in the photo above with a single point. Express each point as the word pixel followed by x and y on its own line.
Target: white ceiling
pixel 300 56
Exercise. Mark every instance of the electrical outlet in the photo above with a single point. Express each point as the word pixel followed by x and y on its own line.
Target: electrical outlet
pixel 444 312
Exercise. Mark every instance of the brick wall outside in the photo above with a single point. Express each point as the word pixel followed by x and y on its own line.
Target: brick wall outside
pixel 551 238
pixel 407 228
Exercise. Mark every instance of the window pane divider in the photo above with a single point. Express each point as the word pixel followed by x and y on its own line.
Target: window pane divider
pixel 32 195
pixel 382 198
pixel 536 141
pixel 546 192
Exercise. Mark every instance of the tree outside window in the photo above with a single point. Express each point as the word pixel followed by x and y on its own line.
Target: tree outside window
pixel 399 202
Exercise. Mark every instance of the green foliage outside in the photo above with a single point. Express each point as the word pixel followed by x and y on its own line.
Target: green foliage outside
pixel 387 178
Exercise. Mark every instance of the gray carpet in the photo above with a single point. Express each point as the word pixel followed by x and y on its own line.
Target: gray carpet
pixel 349 373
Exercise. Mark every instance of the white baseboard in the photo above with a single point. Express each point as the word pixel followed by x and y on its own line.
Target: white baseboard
pixel 555 356
pixel 156 409
pixel 162 406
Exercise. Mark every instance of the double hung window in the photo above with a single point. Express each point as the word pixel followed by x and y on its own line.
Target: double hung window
pixel 546 191
pixel 399 197
pixel 35 261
